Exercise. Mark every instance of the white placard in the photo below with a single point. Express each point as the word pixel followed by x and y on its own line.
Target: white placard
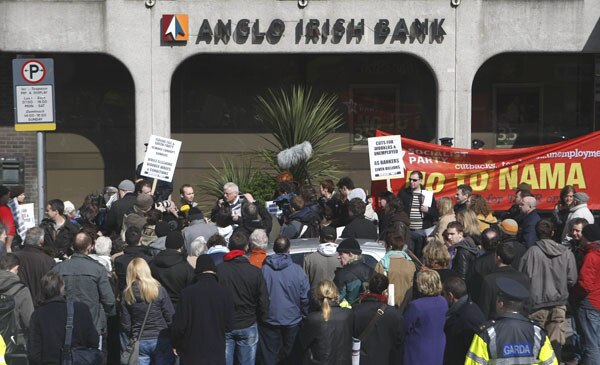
pixel 27 213
pixel 427 197
pixel 385 157
pixel 161 158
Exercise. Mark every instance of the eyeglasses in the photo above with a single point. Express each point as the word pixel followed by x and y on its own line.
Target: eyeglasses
pixel 415 180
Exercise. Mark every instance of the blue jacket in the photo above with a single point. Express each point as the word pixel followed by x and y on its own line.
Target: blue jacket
pixel 526 233
pixel 287 285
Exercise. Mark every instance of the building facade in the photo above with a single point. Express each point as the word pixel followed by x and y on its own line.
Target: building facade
pixel 512 73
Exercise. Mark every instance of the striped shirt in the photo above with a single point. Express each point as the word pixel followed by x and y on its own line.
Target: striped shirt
pixel 416 217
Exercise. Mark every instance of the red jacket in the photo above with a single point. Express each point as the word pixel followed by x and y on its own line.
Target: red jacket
pixel 589 276
pixel 6 217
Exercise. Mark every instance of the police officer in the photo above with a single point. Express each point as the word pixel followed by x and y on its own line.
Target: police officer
pixel 511 338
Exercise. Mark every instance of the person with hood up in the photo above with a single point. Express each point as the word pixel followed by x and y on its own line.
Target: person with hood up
pixel 170 267
pixel 552 270
pixel 321 264
pixel 465 251
pixel 579 210
pixel 398 266
pixel 287 286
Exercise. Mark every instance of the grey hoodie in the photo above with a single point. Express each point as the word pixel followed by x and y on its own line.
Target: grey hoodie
pixel 552 270
pixel 322 264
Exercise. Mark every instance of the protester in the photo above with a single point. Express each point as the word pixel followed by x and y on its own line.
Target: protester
pixel 12 287
pixel 47 326
pixel 398 266
pixel 354 274
pixel 118 209
pixel 424 322
pixel 197 248
pixel 463 195
pixel 529 219
pixel 485 216
pixel 446 216
pixel 86 281
pixel 579 210
pixel 6 218
pixel 251 301
pixel 505 255
pixel 552 270
pixel 171 268
pixel 102 248
pixel 326 335
pixel 359 226
pixel 462 321
pixel 509 229
pixel 321 264
pixel 382 343
pixel 514 212
pixel 205 311
pixel 197 227
pixel 59 232
pixel 562 208
pixel 217 248
pixel 133 237
pixel 34 262
pixel 259 241
pixel 589 308
pixel 437 258
pixel 465 250
pixel 485 263
pixel 287 286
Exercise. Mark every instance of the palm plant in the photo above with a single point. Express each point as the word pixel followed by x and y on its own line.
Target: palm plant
pixel 298 116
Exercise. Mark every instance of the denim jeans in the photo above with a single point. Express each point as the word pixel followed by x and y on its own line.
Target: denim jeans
pixel 276 341
pixel 156 351
pixel 589 322
pixel 240 346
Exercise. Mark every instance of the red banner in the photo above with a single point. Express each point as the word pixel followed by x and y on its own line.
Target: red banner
pixel 495 174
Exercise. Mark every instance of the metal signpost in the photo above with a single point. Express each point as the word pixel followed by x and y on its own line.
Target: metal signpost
pixel 33 83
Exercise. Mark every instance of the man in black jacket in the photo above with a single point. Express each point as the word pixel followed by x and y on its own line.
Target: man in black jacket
pixel 382 344
pixel 505 255
pixel 205 311
pixel 359 226
pixel 465 250
pixel 462 321
pixel 34 262
pixel 133 237
pixel 247 285
pixel 59 232
pixel 171 268
pixel 114 218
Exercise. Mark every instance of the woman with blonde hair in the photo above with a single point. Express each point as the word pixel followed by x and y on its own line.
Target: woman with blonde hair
pixel 424 322
pixel 326 336
pixel 144 297
pixel 437 258
pixel 482 210
pixel 446 209
pixel 470 223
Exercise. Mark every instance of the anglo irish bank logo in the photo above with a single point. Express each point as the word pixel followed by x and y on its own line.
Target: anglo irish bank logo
pixel 174 28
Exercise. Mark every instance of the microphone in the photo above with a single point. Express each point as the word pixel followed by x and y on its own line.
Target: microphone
pixel 294 155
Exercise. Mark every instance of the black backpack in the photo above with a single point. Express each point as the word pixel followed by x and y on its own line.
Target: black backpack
pixel 8 318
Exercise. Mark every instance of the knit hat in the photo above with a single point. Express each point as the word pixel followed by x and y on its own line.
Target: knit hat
pixel 15 191
pixel 349 245
pixel 581 197
pixel 126 185
pixel 144 202
pixel 509 227
pixel 204 263
pixel 174 240
pixel 162 229
pixel 591 232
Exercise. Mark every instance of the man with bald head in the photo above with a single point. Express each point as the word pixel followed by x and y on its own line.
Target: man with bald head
pixel 526 234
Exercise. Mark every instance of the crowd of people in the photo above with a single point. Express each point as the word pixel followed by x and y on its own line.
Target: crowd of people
pixel 133 271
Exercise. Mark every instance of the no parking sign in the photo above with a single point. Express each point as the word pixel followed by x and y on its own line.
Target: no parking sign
pixel 33 82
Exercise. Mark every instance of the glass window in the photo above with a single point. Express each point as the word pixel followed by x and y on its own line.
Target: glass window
pixel 523 100
pixel 216 93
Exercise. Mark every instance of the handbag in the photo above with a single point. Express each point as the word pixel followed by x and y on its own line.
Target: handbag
pixel 356 342
pixel 77 355
pixel 130 354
